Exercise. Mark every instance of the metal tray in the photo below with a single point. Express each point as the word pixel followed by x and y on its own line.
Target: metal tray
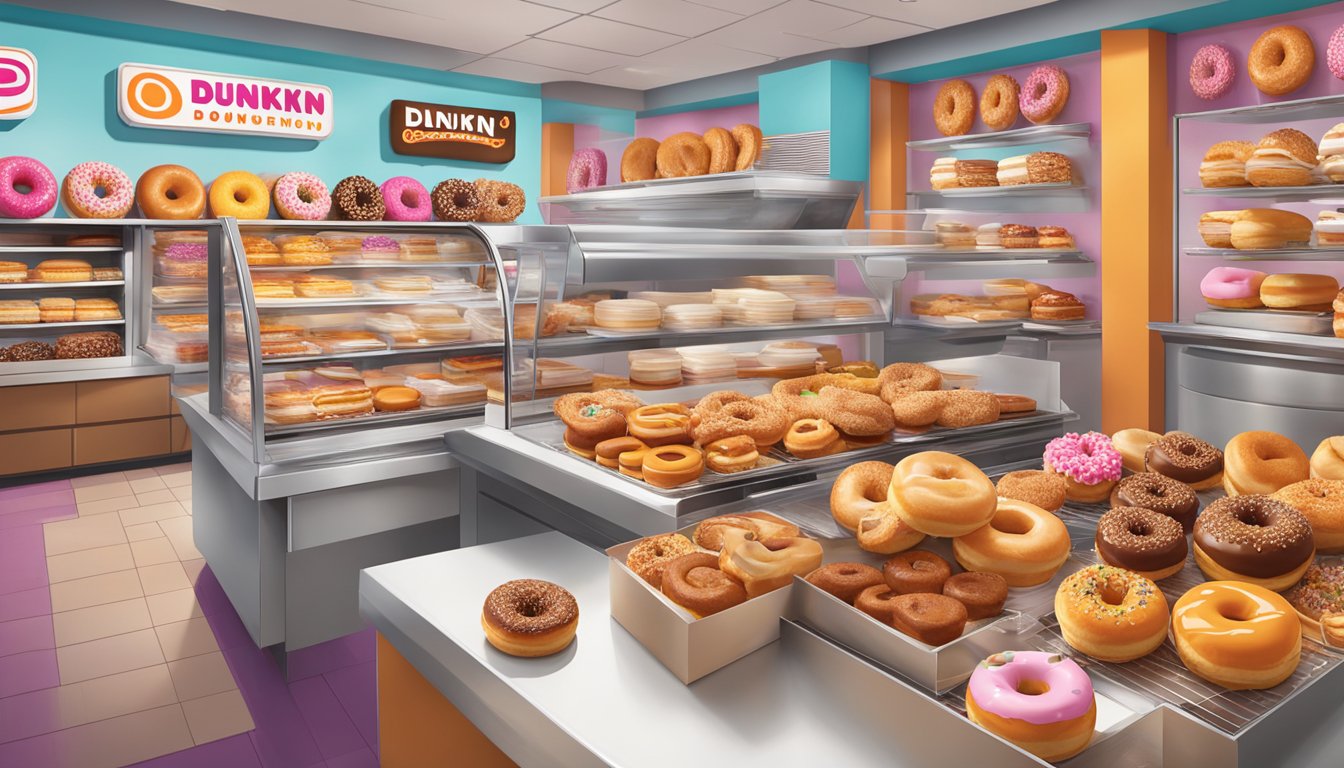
pixel 1278 320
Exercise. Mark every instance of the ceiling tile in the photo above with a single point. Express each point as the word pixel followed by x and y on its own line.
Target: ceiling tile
pixel 604 35
pixel 498 18
pixel 936 14
pixel 517 70
pixel 870 31
pixel 705 57
pixel 637 79
pixel 675 16
pixel 546 53
pixel 742 7
pixel 577 6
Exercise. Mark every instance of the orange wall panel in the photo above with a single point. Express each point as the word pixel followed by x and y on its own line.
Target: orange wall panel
pixel 557 146
pixel 889 115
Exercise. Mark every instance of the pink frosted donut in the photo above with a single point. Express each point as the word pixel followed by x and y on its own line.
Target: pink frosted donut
pixel 1044 94
pixel 1232 287
pixel 24 173
pixel 1212 71
pixel 587 169
pixel 1334 53
pixel 1042 702
pixel 80 191
pixel 1087 459
pixel 302 196
pixel 406 199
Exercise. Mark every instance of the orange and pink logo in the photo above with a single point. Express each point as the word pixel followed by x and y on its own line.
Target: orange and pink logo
pixel 188 100
pixel 18 83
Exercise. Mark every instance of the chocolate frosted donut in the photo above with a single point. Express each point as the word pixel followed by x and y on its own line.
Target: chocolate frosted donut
pixel 357 198
pixel 1160 494
pixel 456 200
pixel 1185 458
pixel 1253 538
pixel 1141 540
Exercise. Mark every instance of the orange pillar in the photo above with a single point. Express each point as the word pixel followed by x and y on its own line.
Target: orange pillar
pixel 557 146
pixel 1136 270
pixel 889 108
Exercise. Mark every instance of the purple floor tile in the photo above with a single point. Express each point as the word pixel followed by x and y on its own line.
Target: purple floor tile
pixel 357 689
pixel 331 727
pixel 361 759
pixel 23 559
pixel 25 672
pixel 53 498
pixel 233 752
pixel 37 517
pixel 34 489
pixel 29 714
pixel 363 644
pixel 320 658
pixel 282 738
pixel 43 750
pixel 24 635
pixel 25 604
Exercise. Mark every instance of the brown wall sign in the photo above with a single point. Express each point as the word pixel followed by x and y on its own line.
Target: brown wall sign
pixel 455 133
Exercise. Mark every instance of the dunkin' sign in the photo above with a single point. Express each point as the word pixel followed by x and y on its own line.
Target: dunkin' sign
pixel 18 83
pixel 188 100
pixel 453 133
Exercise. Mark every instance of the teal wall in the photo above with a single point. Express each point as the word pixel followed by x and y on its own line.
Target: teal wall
pixel 76 118
pixel 827 95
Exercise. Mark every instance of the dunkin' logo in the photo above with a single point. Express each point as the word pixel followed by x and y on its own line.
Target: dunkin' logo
pixel 18 83
pixel 188 100
pixel 449 132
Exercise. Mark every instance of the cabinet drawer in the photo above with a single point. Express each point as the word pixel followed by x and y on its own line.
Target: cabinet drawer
pixel 42 405
pixel 118 442
pixel 34 451
pixel 122 399
pixel 181 436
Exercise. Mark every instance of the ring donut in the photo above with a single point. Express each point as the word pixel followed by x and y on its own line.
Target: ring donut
pixel 722 150
pixel 301 196
pixel 750 143
pixel 587 169
pixel 170 192
pixel 998 102
pixel 860 491
pixel 499 201
pixel 695 582
pixel 241 195
pixel 763 421
pixel 1334 53
pixel 1045 93
pixel 18 172
pixel 900 379
pixel 667 466
pixel 954 108
pixel 455 200
pixel 406 199
pixel 639 161
pixel 80 191
pixel 1212 71
pixel 357 198
pixel 1281 60
pixel 530 618
pixel 845 580
pixel 682 154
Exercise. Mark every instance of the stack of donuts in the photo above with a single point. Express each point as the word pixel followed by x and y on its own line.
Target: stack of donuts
pixel 718 150
pixel 1041 99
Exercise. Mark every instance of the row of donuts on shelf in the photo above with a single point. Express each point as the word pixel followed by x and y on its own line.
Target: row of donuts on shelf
pixel 99 190
pixel 1040 100
pixel 1281 60
pixel 1003 299
pixel 1238 288
pixel 71 346
pixel 718 150
pixel 1285 157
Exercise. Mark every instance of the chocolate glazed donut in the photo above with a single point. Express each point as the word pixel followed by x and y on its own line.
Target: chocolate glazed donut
pixel 1185 458
pixel 1254 536
pixel 1159 493
pixel 1141 540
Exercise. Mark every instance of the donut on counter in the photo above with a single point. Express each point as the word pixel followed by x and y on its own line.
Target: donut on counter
pixel 302 197
pixel 1149 490
pixel 1133 446
pixel 1186 458
pixel 998 102
pixel 954 108
pixel 1022 543
pixel 639 160
pixel 499 201
pixel 170 192
pixel 1039 701
pixel 357 198
pixel 1240 636
pixel 1321 501
pixel 1260 462
pixel 24 172
pixel 1327 461
pixel 406 199
pixel 1255 539
pixel 587 169
pixel 241 195
pixel 941 494
pixel 1044 94
pixel 1281 60
pixel 1143 541
pixel 1046 490
pixel 1212 71
pixel 1111 613
pixel 530 617
pixel 455 200
pixel 1319 602
pixel 1089 463
pixel 97 190
pixel 1232 287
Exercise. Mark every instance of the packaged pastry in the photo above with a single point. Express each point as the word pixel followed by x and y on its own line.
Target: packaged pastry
pixel 103 274
pixel 260 252
pixel 474 363
pixel 789 354
pixel 708 363
pixel 987 236
pixel 954 234
pixel 578 312
pixel 857 306
pixel 95 309
pixel 793 286
pixel 182 294
pixel 377 378
pixel 13 272
pixel 766 308
pixel 19 312
pixel 345 248
pixel 420 248
pixel 655 367
pixel 53 309
pixel 404 285
pixel 438 324
pixel 303 250
pixel 183 339
pixel 336 341
pixel 64 271
pixel 665 299
pixel 322 286
pixel 270 287
pixel 437 392
pixel 379 248
pixel 627 315
pixel 1330 229
pixel 690 317
pixel 332 392
pixel 463 249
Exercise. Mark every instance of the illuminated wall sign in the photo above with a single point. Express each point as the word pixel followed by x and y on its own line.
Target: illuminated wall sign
pixel 18 83
pixel 454 133
pixel 187 100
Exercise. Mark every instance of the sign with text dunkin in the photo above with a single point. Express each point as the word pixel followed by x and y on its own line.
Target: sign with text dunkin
pixel 18 83
pixel 453 133
pixel 188 100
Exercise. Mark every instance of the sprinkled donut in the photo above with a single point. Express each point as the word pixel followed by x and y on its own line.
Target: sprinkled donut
pixel 500 201
pixel 24 173
pixel 80 191
pixel 357 198
pixel 1089 463
pixel 1212 71
pixel 587 169
pixel 455 200
pixel 302 197
pixel 1045 93
pixel 1281 60
pixel 406 199
pixel 1334 53
pixel 954 108
pixel 529 617
pixel 1111 613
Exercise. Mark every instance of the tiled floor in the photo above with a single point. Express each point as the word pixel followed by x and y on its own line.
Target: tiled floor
pixel 117 644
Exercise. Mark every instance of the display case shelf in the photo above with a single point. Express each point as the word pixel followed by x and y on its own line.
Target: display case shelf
pixel 372 265
pixel 1278 113
pixel 1019 137
pixel 1305 253
pixel 1331 193
pixel 53 326
pixel 60 249
pixel 378 419
pixel 583 344
pixel 447 350
pixel 1248 339
pixel 36 286
pixel 1021 198
pixel 356 302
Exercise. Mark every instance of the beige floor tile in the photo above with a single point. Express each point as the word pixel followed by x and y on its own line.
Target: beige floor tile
pixel 181 492
pixel 176 479
pixel 108 656
pixel 203 675
pixel 123 740
pixel 178 531
pixel 153 552
pixel 98 621
pixel 82 533
pixel 186 505
pixel 147 484
pixel 143 531
pixel 107 491
pixel 182 639
pixel 174 469
pixel 103 479
pixel 156 496
pixel 95 590
pixel 166 577
pixel 89 562
pixel 193 569
pixel 121 694
pixel 215 717
pixel 151 513
pixel 103 506
pixel 172 607
pixel 140 474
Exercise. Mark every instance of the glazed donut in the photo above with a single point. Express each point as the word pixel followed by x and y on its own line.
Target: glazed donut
pixel 917 409
pixel 357 198
pixel 499 201
pixel 877 601
pixel 1141 540
pixel 241 195
pixel 998 102
pixel 1254 539
pixel 682 154
pixel 579 446
pixel 859 492
pixel 722 414
pixel 884 533
pixel 302 197
pixel 97 190
pixel 941 494
pixel 455 200
pixel 916 571
pixel 813 438
pixel 1262 462
pixel 1327 461
pixel 639 160
pixel 954 108
pixel 899 379
pixel 1321 501
pixel 1185 458
pixel 722 150
pixel 1239 636
pixel 1133 446
pixel 1319 602
pixel 27 188
pixel 608 452
pixel 1334 53
pixel 695 582
pixel 845 580
pixel 529 617
pixel 170 192
pixel 1034 486
pixel 764 566
pixel 1212 71
pixel 631 463
pixel 761 525
pixel 1089 463
pixel 1045 93
pixel 750 144
pixel 929 618
pixel 1041 702
pixel 650 556
pixel 983 594
pixel 406 199
pixel 661 424
pixel 1281 60
pixel 668 466
pixel 1111 614
pixel 732 454
pixel 967 408
pixel 587 169
pixel 1159 493
pixel 1022 543
pixel 593 416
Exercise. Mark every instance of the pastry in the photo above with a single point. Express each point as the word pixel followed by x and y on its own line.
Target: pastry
pixel 1039 701
pixel 1018 236
pixel 1254 539
pixel 627 314
pixel 63 271
pixel 1089 463
pixel 1330 227
pixel 954 234
pixel 845 580
pixel 977 173
pixel 1321 501
pixel 1260 462
pixel 1236 635
pixel 1281 60
pixel 19 312
pixel 1022 543
pixel 1331 153
pixel 1224 164
pixel 1055 237
pixel 954 108
pixel 1311 293
pixel 1283 158
pixel 13 272
pixel 998 102
pixel 650 556
pixel 1261 228
pixel 1211 71
pixel 1143 541
pixel 1319 602
pixel 304 250
pixel 322 286
pixel 764 566
pixel 1185 458
pixel 1057 305
pixel 1034 486
pixel 91 310
pixel 1215 228
pixel 1232 287
pixel 1327 461
pixel 1049 168
pixel 1161 494
pixel 941 494
pixel 695 582
pixel 1044 94
pixel 682 154
pixel 943 174
pixel 530 618
pixel 916 571
pixel 1012 171
pixel 639 160
pixel 1111 613
pixel 86 345
pixel 395 399
pixel 52 310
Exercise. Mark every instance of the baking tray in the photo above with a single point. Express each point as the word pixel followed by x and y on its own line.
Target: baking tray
pixel 1278 320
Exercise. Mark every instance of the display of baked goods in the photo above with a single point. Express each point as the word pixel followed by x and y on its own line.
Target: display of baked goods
pixel 998 236
pixel 1256 229
pixel 1238 288
pixel 718 150
pixel 1018 170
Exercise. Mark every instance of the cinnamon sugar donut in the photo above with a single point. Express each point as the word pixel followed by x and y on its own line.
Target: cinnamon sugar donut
pixel 916 571
pixel 682 154
pixel 902 378
pixel 639 160
pixel 968 408
pixel 1034 486
pixel 722 150
pixel 983 594
pixel 917 409
pixel 954 108
pixel 695 582
pixel 855 414
pixel 998 102
pixel 595 416
pixel 650 556
pixel 499 201
pixel 749 145
pixel 1281 60
pixel 713 419
pixel 845 580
